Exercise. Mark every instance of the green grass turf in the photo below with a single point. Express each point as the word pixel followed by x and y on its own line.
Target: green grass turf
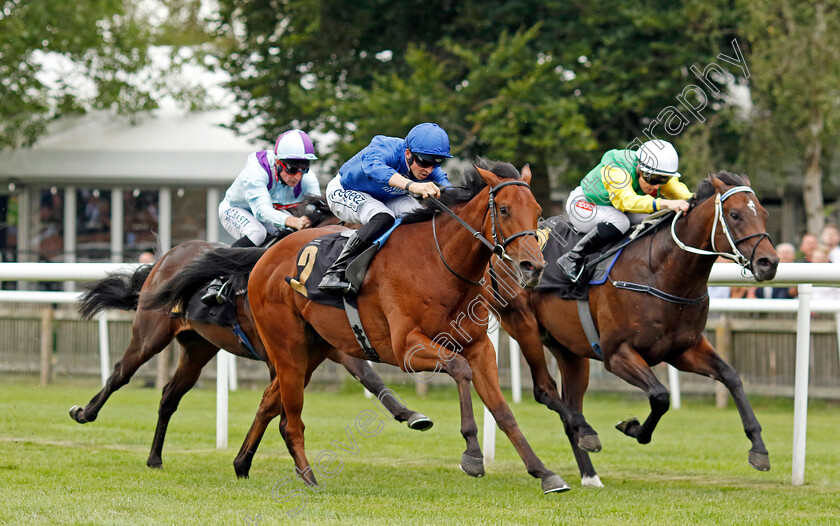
pixel 55 471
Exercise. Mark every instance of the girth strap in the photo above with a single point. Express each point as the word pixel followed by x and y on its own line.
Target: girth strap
pixel 358 330
pixel 589 329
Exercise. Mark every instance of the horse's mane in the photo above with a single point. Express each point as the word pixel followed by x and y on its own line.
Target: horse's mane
pixel 473 184
pixel 706 189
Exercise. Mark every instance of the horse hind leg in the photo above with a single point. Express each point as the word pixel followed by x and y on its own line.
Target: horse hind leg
pixel 364 373
pixel 630 367
pixel 151 333
pixel 194 356
pixel 703 360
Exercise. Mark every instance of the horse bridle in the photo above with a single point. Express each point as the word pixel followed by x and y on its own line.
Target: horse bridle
pixel 497 247
pixel 737 256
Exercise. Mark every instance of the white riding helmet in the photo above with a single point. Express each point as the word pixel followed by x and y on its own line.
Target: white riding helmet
pixel 294 144
pixel 659 157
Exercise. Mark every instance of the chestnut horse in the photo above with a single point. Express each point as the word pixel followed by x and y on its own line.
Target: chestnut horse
pixel 421 305
pixel 154 329
pixel 660 321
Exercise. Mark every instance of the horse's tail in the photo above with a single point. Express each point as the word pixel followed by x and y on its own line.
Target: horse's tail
pixel 120 291
pixel 233 263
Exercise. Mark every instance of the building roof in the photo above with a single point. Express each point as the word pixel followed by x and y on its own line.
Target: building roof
pixel 164 147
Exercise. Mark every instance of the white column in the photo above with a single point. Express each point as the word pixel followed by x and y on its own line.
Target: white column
pixel 69 232
pixel 117 225
pixel 222 400
pixel 489 422
pixel 515 370
pixel 165 218
pixel 674 386
pixel 104 347
pixel 213 214
pixel 800 385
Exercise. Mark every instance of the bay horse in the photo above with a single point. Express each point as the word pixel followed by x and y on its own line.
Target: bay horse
pixel 154 329
pixel 421 305
pixel 653 309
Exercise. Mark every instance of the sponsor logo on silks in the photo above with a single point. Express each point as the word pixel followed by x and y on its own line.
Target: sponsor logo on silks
pixel 348 198
pixel 585 205
pixel 278 206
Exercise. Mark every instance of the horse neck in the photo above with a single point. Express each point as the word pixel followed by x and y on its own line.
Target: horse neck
pixel 681 263
pixel 455 241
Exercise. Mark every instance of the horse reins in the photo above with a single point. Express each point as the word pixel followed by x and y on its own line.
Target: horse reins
pixel 498 248
pixel 736 255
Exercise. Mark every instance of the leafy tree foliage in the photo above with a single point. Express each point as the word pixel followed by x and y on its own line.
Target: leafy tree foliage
pixel 101 51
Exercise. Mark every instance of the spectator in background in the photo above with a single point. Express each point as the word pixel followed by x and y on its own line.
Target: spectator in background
pixel 820 255
pixel 806 247
pixel 830 237
pixel 146 258
pixel 787 254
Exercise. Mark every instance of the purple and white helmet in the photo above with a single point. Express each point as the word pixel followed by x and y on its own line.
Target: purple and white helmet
pixel 294 144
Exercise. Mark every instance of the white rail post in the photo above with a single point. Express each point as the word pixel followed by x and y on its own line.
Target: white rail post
pixel 800 388
pixel 222 400
pixel 104 347
pixel 515 370
pixel 489 446
pixel 674 386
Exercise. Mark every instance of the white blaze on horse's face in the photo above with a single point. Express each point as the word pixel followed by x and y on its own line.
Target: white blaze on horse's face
pixel 751 206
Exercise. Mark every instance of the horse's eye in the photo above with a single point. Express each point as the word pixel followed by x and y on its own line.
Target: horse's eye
pixel 503 210
pixel 735 215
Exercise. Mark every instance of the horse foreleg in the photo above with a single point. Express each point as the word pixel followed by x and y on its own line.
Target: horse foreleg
pixel 575 373
pixel 194 357
pixel 364 373
pixel 425 357
pixel 702 359
pixel 482 359
pixel 524 328
pixel 626 363
pixel 144 344
pixel 270 406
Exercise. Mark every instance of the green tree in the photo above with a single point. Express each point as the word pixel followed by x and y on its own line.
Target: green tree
pixel 551 82
pixel 795 82
pixel 100 47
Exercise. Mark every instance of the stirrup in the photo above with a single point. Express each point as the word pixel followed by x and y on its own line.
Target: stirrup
pixel 340 284
pixel 215 297
pixel 576 277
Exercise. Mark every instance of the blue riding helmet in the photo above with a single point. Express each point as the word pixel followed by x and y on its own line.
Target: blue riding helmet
pixel 429 142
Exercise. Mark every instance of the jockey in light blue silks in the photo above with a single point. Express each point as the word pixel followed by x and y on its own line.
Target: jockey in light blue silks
pixel 255 204
pixel 374 188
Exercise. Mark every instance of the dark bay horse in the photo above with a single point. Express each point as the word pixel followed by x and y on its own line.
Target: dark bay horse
pixel 154 329
pixel 421 306
pixel 661 321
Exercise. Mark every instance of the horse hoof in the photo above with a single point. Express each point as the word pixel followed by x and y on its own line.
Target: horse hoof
pixel 155 464
pixel 629 427
pixel 760 461
pixel 419 422
pixel 554 484
pixel 591 482
pixel 472 466
pixel 589 443
pixel 78 414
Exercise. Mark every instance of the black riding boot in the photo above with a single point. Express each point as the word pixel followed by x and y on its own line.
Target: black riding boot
pixel 571 263
pixel 215 293
pixel 334 279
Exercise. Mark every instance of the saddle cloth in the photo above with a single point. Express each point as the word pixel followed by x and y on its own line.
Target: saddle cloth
pixel 313 260
pixel 557 235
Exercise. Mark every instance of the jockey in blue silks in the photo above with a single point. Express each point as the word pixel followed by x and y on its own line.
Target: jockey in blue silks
pixel 374 188
pixel 272 182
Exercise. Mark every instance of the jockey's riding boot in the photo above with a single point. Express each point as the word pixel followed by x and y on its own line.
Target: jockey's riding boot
pixel 334 280
pixel 243 242
pixel 215 293
pixel 571 263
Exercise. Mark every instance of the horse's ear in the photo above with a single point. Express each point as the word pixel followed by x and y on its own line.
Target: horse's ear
pixel 746 179
pixel 526 174
pixel 489 177
pixel 719 185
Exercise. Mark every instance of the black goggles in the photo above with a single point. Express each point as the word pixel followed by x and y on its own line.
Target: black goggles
pixel 656 178
pixel 426 161
pixel 295 166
